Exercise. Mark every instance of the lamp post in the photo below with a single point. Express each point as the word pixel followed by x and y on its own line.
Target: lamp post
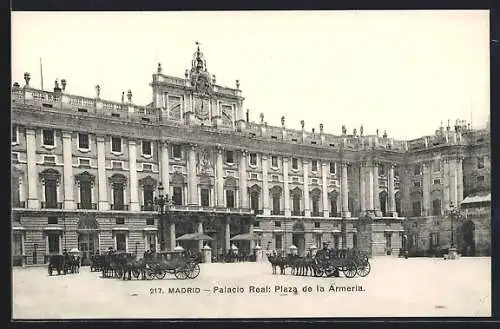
pixel 163 203
pixel 455 214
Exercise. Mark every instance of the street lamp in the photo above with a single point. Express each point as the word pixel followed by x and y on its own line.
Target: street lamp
pixel 163 203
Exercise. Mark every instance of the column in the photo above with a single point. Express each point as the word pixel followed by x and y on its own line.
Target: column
pixel 345 191
pixel 132 156
pixel 370 205
pixel 324 187
pixel 200 230
pixel 376 200
pixel 227 236
pixel 286 187
pixel 405 202
pixel 460 181
pixel 219 173
pixel 392 196
pixel 243 181
pixel 101 174
pixel 252 242
pixel 446 186
pixel 453 182
pixel 69 202
pixel 192 195
pixel 165 175
pixel 265 186
pixel 305 167
pixel 172 236
pixel 362 188
pixel 33 201
pixel 426 189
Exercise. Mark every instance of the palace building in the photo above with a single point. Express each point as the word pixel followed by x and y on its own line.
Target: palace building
pixel 86 173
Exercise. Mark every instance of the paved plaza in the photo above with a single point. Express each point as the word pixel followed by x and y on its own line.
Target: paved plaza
pixel 395 287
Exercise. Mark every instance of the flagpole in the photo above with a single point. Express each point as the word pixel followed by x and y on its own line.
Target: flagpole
pixel 41 72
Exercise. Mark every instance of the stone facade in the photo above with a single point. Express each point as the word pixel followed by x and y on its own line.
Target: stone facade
pixel 86 172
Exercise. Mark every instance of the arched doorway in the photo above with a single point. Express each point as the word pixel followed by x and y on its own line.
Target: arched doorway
pixel 298 237
pixel 469 243
pixel 88 238
pixel 383 203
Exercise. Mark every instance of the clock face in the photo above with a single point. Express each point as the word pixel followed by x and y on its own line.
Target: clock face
pixel 202 109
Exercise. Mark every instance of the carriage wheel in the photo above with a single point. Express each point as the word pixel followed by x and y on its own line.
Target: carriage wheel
pixel 160 274
pixel 180 274
pixel 329 270
pixel 193 271
pixel 318 271
pixel 363 269
pixel 350 270
pixel 150 274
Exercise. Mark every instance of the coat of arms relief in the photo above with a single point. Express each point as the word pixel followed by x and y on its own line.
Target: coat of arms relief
pixel 205 163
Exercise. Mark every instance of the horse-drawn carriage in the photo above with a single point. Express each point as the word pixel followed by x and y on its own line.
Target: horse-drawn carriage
pixel 181 265
pixel 348 261
pixel 64 264
pixel 329 262
pixel 155 265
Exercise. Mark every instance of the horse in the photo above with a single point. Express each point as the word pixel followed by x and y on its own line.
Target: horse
pixel 278 261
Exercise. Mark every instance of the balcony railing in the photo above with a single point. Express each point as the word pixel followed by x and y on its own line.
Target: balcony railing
pixel 92 206
pixel 119 206
pixel 316 214
pixel 277 212
pixel 19 204
pixel 57 205
pixel 334 214
pixel 147 207
pixel 258 211
pixel 296 213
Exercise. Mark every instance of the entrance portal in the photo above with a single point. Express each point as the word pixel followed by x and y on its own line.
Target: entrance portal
pixel 299 241
pixel 469 243
pixel 88 238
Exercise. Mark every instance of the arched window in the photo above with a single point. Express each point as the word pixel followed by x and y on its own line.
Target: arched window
pixel 315 197
pixel 50 179
pixel 85 181
pixel 296 196
pixel 397 198
pixel 332 196
pixel 118 182
pixel 177 188
pixel 383 202
pixel 276 197
pixel 148 186
pixel 254 198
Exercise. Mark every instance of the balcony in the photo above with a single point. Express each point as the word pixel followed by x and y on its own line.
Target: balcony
pixel 92 206
pixel 316 214
pixel 277 212
pixel 148 207
pixel 57 205
pixel 297 213
pixel 119 206
pixel 258 211
pixel 334 214
pixel 19 204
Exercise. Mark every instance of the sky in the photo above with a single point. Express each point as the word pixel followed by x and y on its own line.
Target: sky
pixel 400 71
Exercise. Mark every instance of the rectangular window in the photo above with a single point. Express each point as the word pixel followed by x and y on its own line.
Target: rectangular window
pixel 120 220
pixel 317 224
pixel 275 178
pixel 116 164
pixel 146 148
pixel 437 182
pixel 332 168
pixel 205 197
pixel 85 195
pixel 84 162
pixel 50 159
pixel 121 242
pixel 48 137
pixel 480 162
pixel 52 220
pixel 53 243
pixel 177 195
pixel 480 179
pixel 118 200
pixel 437 165
pixel 50 193
pixel 177 151
pixel 229 157
pixel 416 208
pixel 314 165
pixel 277 223
pixel 150 221
pixel 15 157
pixel 276 205
pixel 315 208
pixel 254 202
pixel 83 141
pixel 148 197
pixel 253 176
pixel 253 159
pixel 274 161
pixel 295 163
pixel 229 199
pixel 317 240
pixel 147 167
pixel 436 207
pixel 278 241
pixel 14 135
pixel 116 144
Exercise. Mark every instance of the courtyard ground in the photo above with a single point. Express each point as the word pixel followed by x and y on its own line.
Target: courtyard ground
pixel 395 287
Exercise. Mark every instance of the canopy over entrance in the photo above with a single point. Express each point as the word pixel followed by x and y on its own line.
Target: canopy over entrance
pixel 244 237
pixel 194 237
pixel 479 197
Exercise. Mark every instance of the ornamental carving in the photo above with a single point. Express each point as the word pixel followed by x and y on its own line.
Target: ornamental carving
pixel 148 181
pixel 296 192
pixel 85 177
pixel 205 163
pixel 118 179
pixel 50 174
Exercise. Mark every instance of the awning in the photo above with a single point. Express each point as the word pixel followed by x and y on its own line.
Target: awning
pixel 244 237
pixel 195 237
pixel 485 197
